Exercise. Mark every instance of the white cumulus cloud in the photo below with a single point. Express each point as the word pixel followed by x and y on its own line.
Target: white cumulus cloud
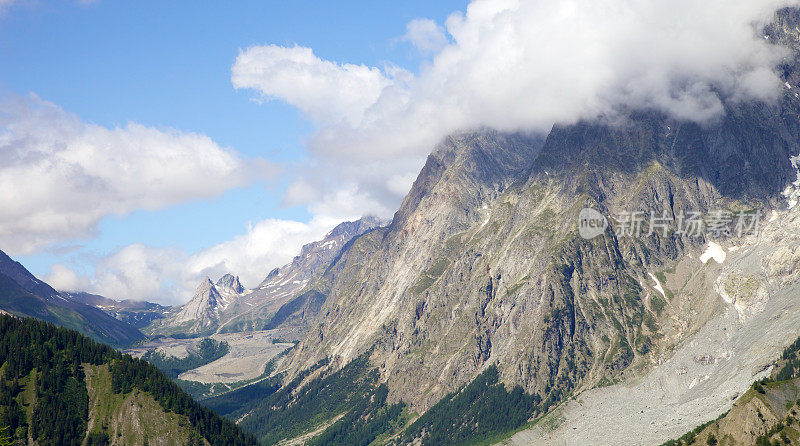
pixel 327 92
pixel 426 35
pixel 60 176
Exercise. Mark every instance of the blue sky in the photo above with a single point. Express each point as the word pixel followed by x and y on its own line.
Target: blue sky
pixel 168 64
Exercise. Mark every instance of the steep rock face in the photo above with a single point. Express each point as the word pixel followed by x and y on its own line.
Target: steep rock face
pixel 299 311
pixel 483 262
pixel 728 321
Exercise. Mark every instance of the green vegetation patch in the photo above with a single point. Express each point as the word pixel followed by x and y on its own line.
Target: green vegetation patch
pixel 429 276
pixel 42 367
pixel 789 364
pixel 43 391
pixel 129 373
pixel 303 405
pixel 689 437
pixel 516 287
pixel 481 410
pixel 136 416
pixel 657 303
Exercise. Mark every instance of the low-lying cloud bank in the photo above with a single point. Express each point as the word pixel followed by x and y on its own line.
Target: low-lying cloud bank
pixel 170 275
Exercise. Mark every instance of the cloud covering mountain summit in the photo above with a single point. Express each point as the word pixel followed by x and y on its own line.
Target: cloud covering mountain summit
pixel 525 65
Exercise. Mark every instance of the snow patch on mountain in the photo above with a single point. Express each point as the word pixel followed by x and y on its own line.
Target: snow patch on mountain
pixel 658 286
pixel 714 251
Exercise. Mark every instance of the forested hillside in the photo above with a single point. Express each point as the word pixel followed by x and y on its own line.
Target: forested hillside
pixel 349 406
pixel 44 396
pixel 343 407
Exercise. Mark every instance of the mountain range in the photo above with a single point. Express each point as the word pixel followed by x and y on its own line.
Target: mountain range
pixel 25 295
pixel 118 322
pixel 482 313
pixel 226 306
pixel 483 269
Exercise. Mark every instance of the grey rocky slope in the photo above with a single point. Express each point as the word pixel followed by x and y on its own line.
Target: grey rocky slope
pixel 730 319
pixel 226 306
pixel 229 284
pixel 483 263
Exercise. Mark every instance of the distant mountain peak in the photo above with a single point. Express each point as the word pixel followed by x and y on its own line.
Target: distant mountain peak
pixel 228 302
pixel 229 284
pixel 358 226
pixel 203 306
pixel 206 292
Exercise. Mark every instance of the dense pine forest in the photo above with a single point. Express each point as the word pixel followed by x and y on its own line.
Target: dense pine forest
pixel 479 411
pixel 43 393
pixel 351 395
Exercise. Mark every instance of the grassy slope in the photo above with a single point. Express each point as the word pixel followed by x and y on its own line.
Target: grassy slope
pixel 132 417
pixel 126 419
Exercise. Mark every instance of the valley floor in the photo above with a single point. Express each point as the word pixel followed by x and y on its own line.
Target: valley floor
pixel 249 353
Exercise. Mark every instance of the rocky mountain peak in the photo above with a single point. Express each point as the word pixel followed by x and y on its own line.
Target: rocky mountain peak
pixel 351 228
pixel 314 254
pixel 204 305
pixel 489 226
pixel 469 168
pixel 206 293
pixel 229 284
